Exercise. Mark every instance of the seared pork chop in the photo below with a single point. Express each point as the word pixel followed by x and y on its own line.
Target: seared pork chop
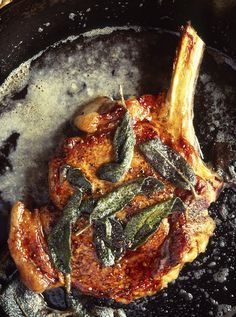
pixel 180 236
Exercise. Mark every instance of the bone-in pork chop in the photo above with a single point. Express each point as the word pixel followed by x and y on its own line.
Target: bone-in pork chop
pixel 178 239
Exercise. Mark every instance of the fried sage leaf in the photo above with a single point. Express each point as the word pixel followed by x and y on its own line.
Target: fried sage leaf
pixel 103 233
pixel 116 239
pixel 104 253
pixel 75 307
pixel 123 143
pixel 87 205
pixel 77 179
pixel 169 163
pixel 142 225
pixel 117 199
pixel 59 239
pixel 98 311
pixel 109 240
pixel 18 301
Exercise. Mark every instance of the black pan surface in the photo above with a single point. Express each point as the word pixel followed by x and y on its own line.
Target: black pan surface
pixel 207 287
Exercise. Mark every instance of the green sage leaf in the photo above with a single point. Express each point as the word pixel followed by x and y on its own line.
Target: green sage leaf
pixel 142 225
pixel 123 143
pixel 59 239
pixel 77 179
pixel 109 240
pixel 117 199
pixel 168 163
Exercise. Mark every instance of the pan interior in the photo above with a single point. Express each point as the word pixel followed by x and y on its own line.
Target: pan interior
pixel 39 98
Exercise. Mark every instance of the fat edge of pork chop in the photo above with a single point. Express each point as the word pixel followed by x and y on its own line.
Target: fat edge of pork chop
pixel 179 239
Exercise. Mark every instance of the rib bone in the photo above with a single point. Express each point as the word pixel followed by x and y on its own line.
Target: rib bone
pixel 183 83
pixel 180 98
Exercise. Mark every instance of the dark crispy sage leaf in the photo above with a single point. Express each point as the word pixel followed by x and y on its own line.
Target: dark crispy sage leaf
pixel 88 205
pixel 98 311
pixel 123 143
pixel 59 244
pixel 150 185
pixel 78 310
pixel 142 225
pixel 59 239
pixel 18 301
pixel 75 307
pixel 109 240
pixel 72 209
pixel 168 163
pixel 117 199
pixel 116 240
pixel 104 253
pixel 77 179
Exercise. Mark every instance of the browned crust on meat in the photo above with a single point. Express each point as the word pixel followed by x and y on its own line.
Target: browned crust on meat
pixel 28 246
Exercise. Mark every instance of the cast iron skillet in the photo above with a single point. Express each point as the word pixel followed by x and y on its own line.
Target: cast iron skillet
pixel 215 21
